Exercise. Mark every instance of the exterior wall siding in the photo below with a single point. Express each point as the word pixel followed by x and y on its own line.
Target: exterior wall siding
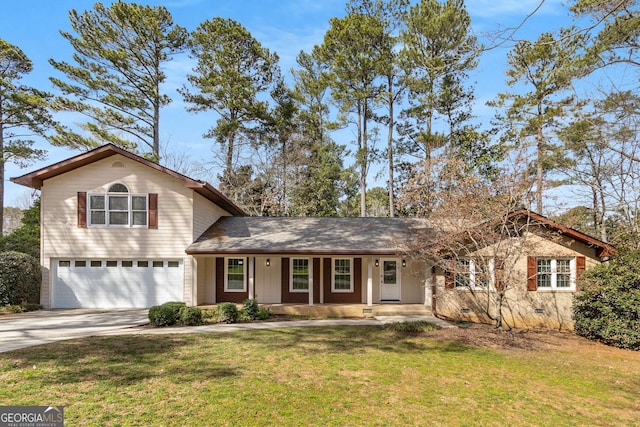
pixel 61 236
pixel 521 308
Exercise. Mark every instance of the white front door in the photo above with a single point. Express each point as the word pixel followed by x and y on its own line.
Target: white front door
pixel 390 279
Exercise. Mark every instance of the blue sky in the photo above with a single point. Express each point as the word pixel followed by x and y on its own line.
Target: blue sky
pixel 284 26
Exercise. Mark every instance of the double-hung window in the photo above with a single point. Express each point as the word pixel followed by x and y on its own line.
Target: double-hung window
pixel 118 208
pixel 300 275
pixel 342 275
pixel 234 278
pixel 473 274
pixel 555 273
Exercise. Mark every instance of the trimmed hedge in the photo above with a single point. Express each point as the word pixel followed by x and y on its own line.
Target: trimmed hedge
pixel 607 307
pixel 228 313
pixel 190 316
pixel 166 314
pixel 20 279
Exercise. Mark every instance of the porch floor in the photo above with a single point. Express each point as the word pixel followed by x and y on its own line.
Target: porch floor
pixel 347 310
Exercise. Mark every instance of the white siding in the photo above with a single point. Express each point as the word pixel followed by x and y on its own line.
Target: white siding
pixel 205 214
pixel 177 226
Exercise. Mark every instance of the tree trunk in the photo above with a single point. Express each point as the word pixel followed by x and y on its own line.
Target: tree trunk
pixel 363 164
pixel 392 209
pixel 539 161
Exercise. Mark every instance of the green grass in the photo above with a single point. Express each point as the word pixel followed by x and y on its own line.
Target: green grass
pixel 319 376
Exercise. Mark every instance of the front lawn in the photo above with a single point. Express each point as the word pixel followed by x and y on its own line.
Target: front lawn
pixel 322 376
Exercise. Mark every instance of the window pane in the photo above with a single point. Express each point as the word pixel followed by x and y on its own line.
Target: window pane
pixel 563 266
pixel 127 263
pixel 235 273
pixel 96 263
pixel 119 203
pixel 143 263
pixel 158 263
pixel 173 264
pixel 96 202
pixel 112 263
pixel 300 273
pixel 118 188
pixel 119 218
pixel 64 263
pixel 81 263
pixel 97 218
pixel 389 272
pixel 342 274
pixel 342 282
pixel 463 273
pixel 139 218
pixel 139 203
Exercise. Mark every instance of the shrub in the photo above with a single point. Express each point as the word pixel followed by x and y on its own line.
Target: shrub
pixel 190 316
pixel 250 308
pixel 20 278
pixel 411 327
pixel 166 314
pixel 607 306
pixel 228 313
pixel 263 313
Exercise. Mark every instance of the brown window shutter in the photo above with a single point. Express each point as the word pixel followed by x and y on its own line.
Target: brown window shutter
pixel 82 210
pixel 449 275
pixel 581 266
pixel 153 210
pixel 532 282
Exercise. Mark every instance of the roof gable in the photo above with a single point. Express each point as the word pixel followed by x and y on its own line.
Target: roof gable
pixel 36 178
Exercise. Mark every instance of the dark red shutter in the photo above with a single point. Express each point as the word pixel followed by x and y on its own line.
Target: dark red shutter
pixel 82 210
pixel 532 281
pixel 581 266
pixel 153 210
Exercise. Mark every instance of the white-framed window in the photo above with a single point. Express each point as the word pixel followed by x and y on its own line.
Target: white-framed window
pixel 342 275
pixel 117 208
pixel 470 274
pixel 234 275
pixel 556 273
pixel 300 275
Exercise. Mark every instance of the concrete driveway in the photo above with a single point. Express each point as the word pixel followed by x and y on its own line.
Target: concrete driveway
pixel 45 326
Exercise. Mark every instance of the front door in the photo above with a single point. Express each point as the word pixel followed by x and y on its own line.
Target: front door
pixel 390 280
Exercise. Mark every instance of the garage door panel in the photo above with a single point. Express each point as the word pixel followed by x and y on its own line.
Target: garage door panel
pixel 116 286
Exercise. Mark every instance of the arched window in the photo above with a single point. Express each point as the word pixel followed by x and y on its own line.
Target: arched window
pixel 118 208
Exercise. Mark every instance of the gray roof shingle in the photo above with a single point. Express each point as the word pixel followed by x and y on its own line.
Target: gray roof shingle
pixel 297 235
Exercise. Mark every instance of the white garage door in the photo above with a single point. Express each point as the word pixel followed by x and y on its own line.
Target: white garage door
pixel 116 283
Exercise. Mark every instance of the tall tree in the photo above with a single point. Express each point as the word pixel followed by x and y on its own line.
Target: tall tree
pixel 116 75
pixel 24 112
pixel 438 49
pixel 232 71
pixel 352 50
pixel 322 177
pixel 546 68
pixel 392 15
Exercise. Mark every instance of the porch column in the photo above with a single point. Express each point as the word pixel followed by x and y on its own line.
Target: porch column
pixel 194 280
pixel 369 282
pixel 251 286
pixel 311 281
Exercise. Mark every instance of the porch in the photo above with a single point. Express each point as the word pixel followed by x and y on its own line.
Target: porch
pixel 346 310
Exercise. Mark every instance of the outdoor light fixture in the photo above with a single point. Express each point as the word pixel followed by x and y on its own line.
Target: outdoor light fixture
pixel 404 263
pixel 268 262
pixel 377 264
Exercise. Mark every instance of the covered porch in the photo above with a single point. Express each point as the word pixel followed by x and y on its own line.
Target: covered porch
pixel 344 310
